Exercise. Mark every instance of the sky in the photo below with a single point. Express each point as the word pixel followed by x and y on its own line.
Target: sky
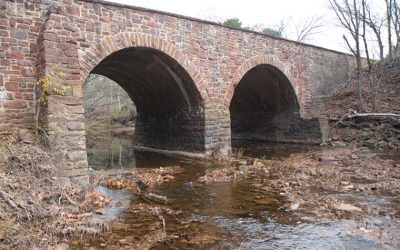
pixel 268 13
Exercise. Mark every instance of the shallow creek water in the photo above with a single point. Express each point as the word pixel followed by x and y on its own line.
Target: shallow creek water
pixel 233 215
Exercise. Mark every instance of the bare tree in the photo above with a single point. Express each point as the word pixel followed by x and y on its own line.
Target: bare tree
pixel 349 17
pixel 364 32
pixel 389 6
pixel 376 23
pixel 396 24
pixel 281 27
pixel 309 28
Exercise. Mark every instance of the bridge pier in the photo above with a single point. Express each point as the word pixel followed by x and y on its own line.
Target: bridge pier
pixel 62 115
pixel 217 130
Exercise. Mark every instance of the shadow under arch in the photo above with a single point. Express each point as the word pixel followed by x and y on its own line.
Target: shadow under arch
pixel 169 104
pixel 264 107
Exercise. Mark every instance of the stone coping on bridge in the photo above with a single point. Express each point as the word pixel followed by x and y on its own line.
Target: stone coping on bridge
pixel 103 2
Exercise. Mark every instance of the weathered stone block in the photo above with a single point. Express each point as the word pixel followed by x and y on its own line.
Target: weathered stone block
pixel 75 156
pixel 5 95
pixel 15 104
pixel 76 126
pixel 74 109
pixel 19 34
pixel 73 172
pixel 82 165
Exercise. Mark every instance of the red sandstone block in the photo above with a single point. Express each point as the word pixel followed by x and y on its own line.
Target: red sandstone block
pixel 4 33
pixel 68 100
pixel 8 40
pixel 105 19
pixel 15 78
pixel 11 86
pixel 51 37
pixel 1 81
pixel 5 62
pixel 4 46
pixel 73 10
pixel 28 96
pixel 13 22
pixel 34 29
pixel 24 20
pixel 32 47
pixel 17 95
pixel 3 22
pixel 89 26
pixel 28 72
pixel 23 26
pixel 15 104
pixel 14 55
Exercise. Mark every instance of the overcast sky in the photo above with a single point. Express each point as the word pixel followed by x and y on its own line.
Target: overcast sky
pixel 257 12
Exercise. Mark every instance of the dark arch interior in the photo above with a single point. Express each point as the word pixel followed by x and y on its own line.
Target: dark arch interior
pixel 170 108
pixel 264 107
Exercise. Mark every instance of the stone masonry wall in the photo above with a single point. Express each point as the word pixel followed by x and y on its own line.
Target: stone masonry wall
pixel 172 131
pixel 262 126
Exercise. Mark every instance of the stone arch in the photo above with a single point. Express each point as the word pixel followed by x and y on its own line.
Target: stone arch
pixel 88 59
pixel 253 62
pixel 264 105
pixel 166 88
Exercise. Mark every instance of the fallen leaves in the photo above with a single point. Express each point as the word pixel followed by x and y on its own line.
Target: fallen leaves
pixel 93 200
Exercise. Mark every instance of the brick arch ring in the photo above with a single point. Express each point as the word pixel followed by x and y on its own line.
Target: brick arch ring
pixel 251 63
pixel 110 44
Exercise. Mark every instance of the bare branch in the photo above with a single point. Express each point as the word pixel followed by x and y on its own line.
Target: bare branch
pixel 310 27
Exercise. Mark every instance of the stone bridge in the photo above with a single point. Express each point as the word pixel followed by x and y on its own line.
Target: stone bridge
pixel 196 84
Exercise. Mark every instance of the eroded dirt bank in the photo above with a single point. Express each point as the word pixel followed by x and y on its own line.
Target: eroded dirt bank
pixel 380 127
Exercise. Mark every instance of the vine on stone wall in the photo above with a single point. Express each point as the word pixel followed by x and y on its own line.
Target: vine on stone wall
pixel 46 86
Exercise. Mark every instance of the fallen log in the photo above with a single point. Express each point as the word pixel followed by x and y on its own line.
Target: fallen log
pixel 374 115
pixel 156 198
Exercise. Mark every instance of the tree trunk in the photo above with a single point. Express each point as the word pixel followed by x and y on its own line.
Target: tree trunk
pixel 364 36
pixel 380 44
pixel 396 23
pixel 389 23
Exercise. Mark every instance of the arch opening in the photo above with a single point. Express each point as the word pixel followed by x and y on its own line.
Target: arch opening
pixel 170 110
pixel 264 107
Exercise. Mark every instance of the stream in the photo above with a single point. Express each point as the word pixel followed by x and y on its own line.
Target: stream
pixel 233 215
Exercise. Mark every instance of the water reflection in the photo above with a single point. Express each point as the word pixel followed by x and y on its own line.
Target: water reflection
pixel 269 150
pixel 116 152
pixel 112 152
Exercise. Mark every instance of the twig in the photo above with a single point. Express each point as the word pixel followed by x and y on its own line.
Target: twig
pixel 9 149
pixel 7 198
pixel 70 200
